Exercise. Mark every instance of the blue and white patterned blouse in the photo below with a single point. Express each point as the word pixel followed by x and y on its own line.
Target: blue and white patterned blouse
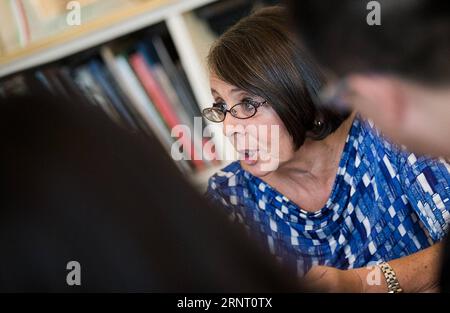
pixel 385 203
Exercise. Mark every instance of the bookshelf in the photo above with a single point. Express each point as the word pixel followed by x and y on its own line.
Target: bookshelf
pixel 189 37
pixel 104 29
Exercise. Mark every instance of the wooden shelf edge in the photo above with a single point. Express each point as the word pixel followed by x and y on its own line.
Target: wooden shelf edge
pixel 94 33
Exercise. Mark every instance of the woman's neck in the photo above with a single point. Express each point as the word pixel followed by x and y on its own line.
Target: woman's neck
pixel 307 179
pixel 318 158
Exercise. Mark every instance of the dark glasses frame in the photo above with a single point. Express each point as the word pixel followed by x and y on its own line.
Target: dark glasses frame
pixel 220 108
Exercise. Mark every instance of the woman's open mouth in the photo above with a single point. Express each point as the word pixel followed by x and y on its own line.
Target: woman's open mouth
pixel 249 157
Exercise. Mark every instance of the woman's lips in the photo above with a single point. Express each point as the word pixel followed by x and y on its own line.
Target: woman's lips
pixel 249 157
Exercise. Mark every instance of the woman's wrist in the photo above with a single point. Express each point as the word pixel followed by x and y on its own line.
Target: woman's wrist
pixel 372 279
pixel 417 272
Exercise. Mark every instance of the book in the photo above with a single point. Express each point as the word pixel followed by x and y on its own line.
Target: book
pixel 137 80
pixel 153 89
pixel 102 77
pixel 55 83
pixel 129 83
pixel 176 77
pixel 164 81
pixel 172 76
pixel 93 92
pixel 15 85
pixel 185 114
pixel 164 107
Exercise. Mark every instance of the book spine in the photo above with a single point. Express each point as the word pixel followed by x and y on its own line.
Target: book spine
pixel 168 114
pixel 87 83
pixel 175 76
pixel 100 75
pixel 153 90
pixel 142 103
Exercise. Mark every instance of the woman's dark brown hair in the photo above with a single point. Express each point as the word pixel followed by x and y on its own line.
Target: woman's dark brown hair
pixel 261 55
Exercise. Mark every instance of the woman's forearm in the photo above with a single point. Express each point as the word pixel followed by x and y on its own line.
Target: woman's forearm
pixel 418 272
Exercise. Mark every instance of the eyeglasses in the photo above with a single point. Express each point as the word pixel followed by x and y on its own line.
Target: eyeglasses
pixel 242 110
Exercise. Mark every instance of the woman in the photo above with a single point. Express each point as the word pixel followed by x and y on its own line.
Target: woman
pixel 340 197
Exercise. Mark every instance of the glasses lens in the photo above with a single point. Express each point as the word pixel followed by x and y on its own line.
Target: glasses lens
pixel 243 110
pixel 214 114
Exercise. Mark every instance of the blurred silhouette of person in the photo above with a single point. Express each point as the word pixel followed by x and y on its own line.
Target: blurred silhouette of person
pixel 390 60
pixel 397 73
pixel 77 187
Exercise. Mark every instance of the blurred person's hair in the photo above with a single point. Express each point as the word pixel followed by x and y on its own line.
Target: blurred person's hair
pixel 261 56
pixel 413 40
pixel 77 187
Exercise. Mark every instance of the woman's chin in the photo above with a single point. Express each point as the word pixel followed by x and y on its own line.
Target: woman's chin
pixel 254 167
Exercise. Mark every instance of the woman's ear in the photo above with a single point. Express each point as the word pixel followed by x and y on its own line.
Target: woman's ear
pixel 380 98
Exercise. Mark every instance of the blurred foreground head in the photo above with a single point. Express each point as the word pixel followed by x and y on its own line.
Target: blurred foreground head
pixel 388 59
pixel 76 187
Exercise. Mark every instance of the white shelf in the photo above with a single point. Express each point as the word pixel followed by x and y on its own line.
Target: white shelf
pixel 50 52
pixel 194 65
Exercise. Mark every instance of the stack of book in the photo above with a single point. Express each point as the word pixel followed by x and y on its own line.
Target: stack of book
pixel 140 84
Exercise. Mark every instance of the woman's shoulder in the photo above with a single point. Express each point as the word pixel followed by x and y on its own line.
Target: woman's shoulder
pixel 396 158
pixel 372 141
pixel 374 135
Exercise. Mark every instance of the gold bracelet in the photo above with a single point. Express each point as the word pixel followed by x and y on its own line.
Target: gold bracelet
pixel 391 278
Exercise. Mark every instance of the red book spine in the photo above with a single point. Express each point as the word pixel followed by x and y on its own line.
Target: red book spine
pixel 161 103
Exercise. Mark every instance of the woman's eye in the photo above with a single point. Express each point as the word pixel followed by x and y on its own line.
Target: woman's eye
pixel 219 104
pixel 248 104
pixel 248 107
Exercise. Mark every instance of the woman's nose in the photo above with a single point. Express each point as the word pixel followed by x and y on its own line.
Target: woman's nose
pixel 233 126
